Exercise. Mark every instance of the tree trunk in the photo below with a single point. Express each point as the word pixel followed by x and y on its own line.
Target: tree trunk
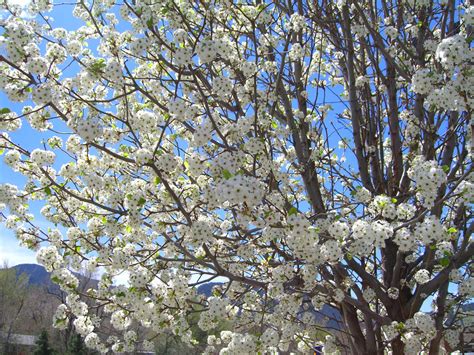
pixel 398 348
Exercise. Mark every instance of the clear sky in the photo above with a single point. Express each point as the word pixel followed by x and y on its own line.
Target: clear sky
pixel 10 251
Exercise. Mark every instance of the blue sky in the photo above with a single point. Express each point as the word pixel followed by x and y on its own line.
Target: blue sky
pixel 10 251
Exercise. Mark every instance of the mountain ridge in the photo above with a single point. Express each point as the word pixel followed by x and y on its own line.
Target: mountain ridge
pixel 38 276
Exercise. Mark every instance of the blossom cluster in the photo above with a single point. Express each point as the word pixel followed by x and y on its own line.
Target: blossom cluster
pixel 177 145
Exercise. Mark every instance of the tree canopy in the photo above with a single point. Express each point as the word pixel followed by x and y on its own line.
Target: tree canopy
pixel 303 153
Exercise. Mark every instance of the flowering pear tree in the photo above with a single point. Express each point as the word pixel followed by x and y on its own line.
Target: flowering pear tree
pixel 302 153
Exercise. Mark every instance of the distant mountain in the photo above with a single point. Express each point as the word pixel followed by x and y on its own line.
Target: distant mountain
pixel 206 289
pixel 328 316
pixel 37 274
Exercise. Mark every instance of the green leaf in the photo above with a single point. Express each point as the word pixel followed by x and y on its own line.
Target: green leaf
pixel 382 204
pixel 2 151
pixel 157 180
pixel 452 230
pixel 400 326
pixel 128 229
pixel 55 279
pixel 446 168
pixel 394 200
pixel 4 111
pixel 141 201
pixel 444 262
pixel 292 211
pixel 77 248
pixel 226 173
pixel 47 191
pixel 98 66
pixel 149 23
pixel 186 164
pixel 274 125
pixel 60 321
